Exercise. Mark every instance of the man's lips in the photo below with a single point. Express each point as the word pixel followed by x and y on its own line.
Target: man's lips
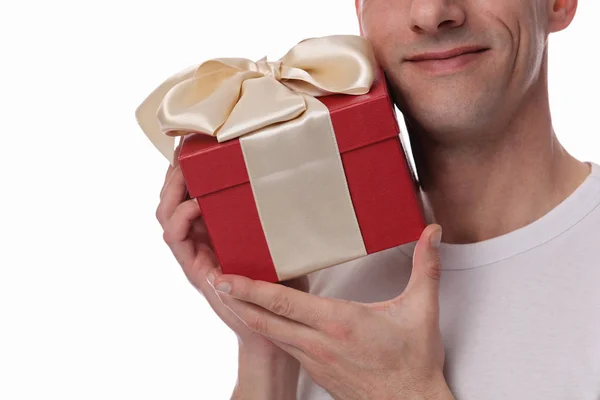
pixel 444 55
pixel 446 62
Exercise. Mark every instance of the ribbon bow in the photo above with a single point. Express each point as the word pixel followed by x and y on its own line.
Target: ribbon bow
pixel 231 97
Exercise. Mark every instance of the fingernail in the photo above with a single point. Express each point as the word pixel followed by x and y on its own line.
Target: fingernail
pixel 436 239
pixel 223 287
pixel 210 278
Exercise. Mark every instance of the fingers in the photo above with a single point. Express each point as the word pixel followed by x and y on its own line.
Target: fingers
pixel 179 224
pixel 177 231
pixel 266 323
pixel 173 195
pixel 168 176
pixel 427 266
pixel 197 278
pixel 295 352
pixel 204 263
pixel 281 300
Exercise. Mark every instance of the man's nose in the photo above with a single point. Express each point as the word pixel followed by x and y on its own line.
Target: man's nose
pixel 433 16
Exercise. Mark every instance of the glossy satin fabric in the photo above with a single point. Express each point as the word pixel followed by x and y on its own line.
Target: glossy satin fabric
pixel 229 97
pixel 287 140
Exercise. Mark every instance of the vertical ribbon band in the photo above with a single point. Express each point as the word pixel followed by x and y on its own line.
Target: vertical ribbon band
pixel 301 193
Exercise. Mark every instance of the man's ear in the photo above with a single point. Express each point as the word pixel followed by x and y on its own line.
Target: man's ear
pixel 560 14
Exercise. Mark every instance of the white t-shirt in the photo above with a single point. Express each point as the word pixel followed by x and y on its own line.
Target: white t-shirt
pixel 520 313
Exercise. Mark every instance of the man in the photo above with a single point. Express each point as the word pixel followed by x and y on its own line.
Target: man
pixel 513 309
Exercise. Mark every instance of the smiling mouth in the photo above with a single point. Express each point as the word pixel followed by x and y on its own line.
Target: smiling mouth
pixel 445 55
pixel 445 62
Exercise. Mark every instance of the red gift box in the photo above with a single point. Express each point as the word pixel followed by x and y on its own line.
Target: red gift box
pixel 382 187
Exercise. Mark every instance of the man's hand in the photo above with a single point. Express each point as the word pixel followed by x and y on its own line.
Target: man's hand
pixel 386 350
pixel 263 367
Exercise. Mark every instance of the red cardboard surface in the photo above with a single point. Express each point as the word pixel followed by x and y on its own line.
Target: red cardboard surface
pixel 380 181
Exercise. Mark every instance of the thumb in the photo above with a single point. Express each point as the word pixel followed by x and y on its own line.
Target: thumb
pixel 427 266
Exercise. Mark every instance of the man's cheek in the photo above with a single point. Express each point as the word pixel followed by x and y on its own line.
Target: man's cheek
pixel 380 17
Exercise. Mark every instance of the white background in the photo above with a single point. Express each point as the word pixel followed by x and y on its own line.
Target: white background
pixel 92 304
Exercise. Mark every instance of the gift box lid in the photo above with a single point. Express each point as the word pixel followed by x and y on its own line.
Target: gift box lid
pixel 209 166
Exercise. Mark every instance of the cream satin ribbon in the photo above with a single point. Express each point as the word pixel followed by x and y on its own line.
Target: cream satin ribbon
pixel 286 136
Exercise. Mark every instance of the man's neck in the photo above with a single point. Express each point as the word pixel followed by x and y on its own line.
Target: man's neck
pixel 478 192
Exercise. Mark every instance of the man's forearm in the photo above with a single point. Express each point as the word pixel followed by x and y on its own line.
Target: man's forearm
pixel 263 377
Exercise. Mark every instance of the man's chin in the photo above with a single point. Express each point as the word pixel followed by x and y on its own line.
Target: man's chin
pixel 439 117
pixel 445 127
